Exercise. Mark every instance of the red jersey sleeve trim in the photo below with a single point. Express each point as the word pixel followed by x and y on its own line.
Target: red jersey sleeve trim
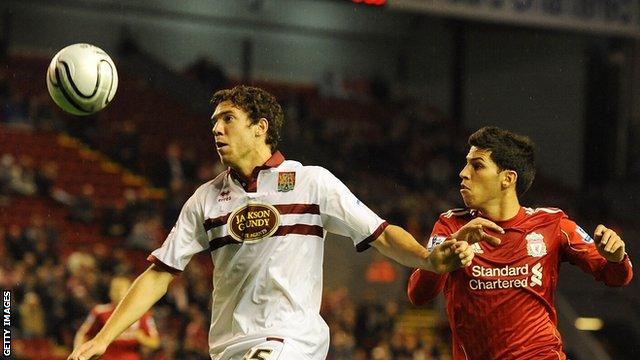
pixel 162 266
pixel 364 244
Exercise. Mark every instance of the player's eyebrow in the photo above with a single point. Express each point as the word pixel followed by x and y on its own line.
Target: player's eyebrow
pixel 220 114
pixel 478 158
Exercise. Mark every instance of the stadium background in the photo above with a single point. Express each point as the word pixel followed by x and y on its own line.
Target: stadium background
pixel 383 96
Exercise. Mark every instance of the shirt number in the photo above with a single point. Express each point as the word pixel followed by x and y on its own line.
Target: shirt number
pixel 257 354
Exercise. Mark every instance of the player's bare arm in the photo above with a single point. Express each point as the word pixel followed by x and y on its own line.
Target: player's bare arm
pixel 401 246
pixel 148 288
pixel 609 244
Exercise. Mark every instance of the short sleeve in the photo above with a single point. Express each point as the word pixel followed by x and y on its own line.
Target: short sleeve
pixel 187 238
pixel 344 214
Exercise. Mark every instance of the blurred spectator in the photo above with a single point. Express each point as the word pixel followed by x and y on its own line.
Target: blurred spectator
pixel 146 234
pixel 83 205
pixel 173 167
pixel 209 74
pixel 17 177
pixel 15 242
pixel 45 179
pixel 16 111
pixel 32 316
pixel 176 196
pixel 116 222
pixel 126 147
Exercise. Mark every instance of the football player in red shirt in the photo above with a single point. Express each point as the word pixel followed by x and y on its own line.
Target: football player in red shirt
pixel 502 306
pixel 127 346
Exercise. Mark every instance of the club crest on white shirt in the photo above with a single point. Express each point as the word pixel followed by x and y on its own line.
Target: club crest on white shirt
pixel 535 245
pixel 253 222
pixel 286 181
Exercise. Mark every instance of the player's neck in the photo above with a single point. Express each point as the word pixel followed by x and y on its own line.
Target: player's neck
pixel 502 209
pixel 256 158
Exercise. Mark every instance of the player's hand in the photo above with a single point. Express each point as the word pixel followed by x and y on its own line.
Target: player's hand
pixel 450 255
pixel 609 244
pixel 473 232
pixel 92 349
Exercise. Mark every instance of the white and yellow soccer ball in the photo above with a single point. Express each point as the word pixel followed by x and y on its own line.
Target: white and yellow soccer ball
pixel 82 79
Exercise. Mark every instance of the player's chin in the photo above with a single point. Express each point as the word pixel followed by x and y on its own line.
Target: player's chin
pixel 466 198
pixel 224 158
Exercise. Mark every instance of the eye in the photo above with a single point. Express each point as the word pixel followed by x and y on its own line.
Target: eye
pixel 477 166
pixel 227 118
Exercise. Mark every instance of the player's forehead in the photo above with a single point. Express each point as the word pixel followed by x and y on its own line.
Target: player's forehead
pixel 226 107
pixel 479 154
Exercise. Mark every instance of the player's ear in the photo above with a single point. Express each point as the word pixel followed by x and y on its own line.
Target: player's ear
pixel 262 126
pixel 509 178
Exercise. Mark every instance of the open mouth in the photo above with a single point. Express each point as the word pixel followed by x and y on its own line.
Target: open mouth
pixel 220 145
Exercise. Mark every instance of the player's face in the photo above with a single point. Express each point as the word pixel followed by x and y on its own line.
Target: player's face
pixel 234 134
pixel 481 180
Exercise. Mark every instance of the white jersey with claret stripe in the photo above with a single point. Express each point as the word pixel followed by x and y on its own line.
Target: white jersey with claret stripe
pixel 267 248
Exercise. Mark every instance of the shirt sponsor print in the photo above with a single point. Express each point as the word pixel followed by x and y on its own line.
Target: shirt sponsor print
pixel 506 277
pixel 253 222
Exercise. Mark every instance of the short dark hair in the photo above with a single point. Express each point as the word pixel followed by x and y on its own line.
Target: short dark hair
pixel 257 103
pixel 510 151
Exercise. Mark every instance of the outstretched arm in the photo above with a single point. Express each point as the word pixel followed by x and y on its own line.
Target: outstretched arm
pixel 398 244
pixel 148 288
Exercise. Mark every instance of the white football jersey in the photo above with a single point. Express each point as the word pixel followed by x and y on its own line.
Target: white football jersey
pixel 267 246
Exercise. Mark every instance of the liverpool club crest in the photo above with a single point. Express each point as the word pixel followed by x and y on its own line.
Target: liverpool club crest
pixel 535 245
pixel 286 181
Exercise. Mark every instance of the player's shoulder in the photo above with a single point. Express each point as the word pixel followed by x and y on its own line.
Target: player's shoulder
pixel 316 173
pixel 545 213
pixel 456 214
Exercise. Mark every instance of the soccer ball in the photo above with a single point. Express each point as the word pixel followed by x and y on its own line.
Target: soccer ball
pixel 82 79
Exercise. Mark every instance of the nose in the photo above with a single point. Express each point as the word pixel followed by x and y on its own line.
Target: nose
pixel 217 128
pixel 464 173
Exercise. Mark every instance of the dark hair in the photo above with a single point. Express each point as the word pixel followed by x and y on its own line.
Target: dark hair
pixel 257 103
pixel 510 151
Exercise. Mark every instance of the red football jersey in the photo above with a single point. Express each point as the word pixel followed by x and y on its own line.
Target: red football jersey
pixel 124 347
pixel 502 306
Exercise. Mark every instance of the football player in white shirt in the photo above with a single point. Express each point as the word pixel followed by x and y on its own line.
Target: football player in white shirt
pixel 264 221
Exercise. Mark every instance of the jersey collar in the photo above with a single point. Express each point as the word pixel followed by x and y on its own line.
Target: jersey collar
pixel 521 215
pixel 252 185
